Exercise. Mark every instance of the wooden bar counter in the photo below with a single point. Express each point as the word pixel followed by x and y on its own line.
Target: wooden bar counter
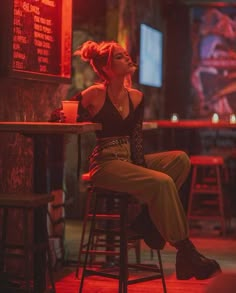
pixel 34 128
pixel 193 124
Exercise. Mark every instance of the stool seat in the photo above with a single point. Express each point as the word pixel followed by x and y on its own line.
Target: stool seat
pixel 86 177
pixel 206 160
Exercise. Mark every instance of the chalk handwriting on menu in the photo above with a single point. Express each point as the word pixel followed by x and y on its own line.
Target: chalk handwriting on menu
pixel 35 42
pixel 49 2
pixel 28 7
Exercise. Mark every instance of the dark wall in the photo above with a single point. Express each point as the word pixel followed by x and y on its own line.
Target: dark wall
pixel 22 100
pixel 177 60
pixel 88 12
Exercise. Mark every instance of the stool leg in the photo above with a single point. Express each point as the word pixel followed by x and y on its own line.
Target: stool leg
pixel 162 271
pixel 220 200
pixel 151 254
pixel 85 220
pixel 3 240
pixel 50 270
pixel 138 251
pixel 193 182
pixel 88 245
pixel 123 281
pixel 110 240
pixel 26 213
pixel 49 257
pixel 228 216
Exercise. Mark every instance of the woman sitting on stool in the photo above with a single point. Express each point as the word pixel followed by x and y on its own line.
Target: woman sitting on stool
pixel 118 162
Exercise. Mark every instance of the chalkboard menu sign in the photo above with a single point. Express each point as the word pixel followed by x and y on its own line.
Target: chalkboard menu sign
pixel 39 39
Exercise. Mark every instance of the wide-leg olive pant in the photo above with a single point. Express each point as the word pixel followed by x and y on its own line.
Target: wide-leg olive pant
pixel 157 185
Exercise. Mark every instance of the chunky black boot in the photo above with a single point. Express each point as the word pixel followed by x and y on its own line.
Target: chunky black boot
pixel 143 225
pixel 190 263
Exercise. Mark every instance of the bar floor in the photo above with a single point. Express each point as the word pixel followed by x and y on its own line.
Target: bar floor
pixel 207 240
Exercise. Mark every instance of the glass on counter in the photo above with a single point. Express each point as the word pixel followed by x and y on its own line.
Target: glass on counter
pixel 70 111
pixel 215 118
pixel 174 117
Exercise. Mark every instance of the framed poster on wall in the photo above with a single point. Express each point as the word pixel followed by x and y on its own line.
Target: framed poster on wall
pixel 213 74
pixel 36 39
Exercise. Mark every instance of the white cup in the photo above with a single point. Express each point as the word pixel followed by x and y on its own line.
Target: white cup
pixel 70 109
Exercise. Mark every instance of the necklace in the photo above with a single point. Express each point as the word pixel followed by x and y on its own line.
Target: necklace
pixel 119 106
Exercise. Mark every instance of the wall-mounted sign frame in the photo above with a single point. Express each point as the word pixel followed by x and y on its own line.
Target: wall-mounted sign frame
pixel 36 39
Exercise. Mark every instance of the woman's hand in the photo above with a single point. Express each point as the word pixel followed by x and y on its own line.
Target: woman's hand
pixel 57 116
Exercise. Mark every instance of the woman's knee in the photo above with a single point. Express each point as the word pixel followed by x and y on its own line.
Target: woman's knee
pixel 184 161
pixel 164 181
pixel 165 189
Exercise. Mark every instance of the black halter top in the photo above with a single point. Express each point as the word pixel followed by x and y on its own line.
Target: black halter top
pixel 112 122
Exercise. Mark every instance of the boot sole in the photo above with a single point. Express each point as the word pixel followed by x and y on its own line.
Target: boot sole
pixel 189 275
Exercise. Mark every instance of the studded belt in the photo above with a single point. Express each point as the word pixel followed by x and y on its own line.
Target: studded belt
pixel 116 141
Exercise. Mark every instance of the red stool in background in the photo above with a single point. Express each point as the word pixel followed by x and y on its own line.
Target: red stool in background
pixel 206 200
pixel 109 217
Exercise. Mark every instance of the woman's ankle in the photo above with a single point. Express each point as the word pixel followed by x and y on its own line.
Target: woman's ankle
pixel 182 244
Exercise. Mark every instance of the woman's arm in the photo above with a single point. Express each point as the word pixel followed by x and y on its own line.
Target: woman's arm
pixel 88 100
pixel 136 138
pixel 83 113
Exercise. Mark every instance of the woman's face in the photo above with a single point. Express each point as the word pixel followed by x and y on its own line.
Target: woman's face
pixel 121 63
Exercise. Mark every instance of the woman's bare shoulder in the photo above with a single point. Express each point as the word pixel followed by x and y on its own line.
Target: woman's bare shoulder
pixel 92 92
pixel 136 96
pixel 93 89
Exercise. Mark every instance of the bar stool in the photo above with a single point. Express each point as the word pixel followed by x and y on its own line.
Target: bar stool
pixel 29 204
pixel 115 226
pixel 206 193
pixel 98 239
